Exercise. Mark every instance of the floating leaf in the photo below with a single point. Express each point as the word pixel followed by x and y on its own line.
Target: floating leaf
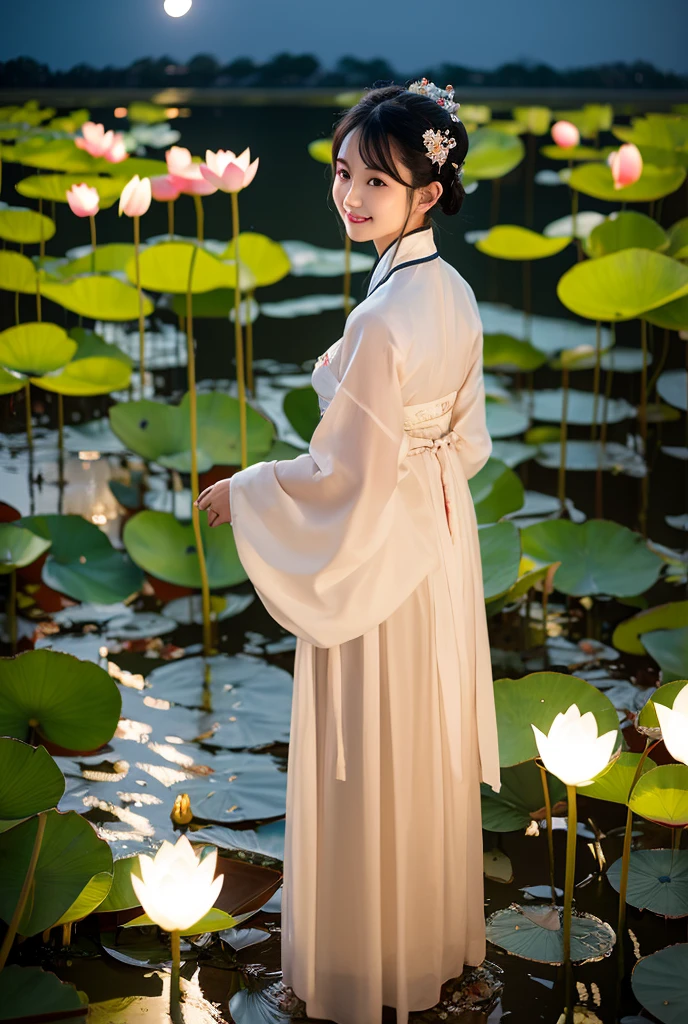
pixel 595 179
pixel 30 992
pixel 657 881
pixel 626 229
pixel 267 261
pixel 98 297
pixel 623 285
pixel 511 355
pixel 659 983
pixel 21 225
pixel 527 933
pixel 165 268
pixel 627 635
pixel 492 154
pixel 108 258
pixel 17 273
pixel 314 261
pixel 672 385
pixel 54 187
pixel 511 242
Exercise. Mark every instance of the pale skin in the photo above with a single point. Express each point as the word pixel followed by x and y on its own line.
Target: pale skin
pixel 363 192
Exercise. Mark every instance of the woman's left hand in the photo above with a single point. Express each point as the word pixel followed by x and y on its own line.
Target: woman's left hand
pixel 215 501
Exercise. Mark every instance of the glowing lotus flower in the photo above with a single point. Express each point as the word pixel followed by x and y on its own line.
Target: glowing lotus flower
pixel 164 187
pixel 83 200
pixel 572 750
pixel 94 139
pixel 186 174
pixel 176 889
pixel 626 165
pixel 117 151
pixel 228 172
pixel 136 197
pixel 674 725
pixel 565 134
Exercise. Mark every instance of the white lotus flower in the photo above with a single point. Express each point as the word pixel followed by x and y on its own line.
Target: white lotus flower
pixel 572 750
pixel 177 889
pixel 674 725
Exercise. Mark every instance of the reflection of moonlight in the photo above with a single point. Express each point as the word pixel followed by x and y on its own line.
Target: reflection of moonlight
pixel 177 8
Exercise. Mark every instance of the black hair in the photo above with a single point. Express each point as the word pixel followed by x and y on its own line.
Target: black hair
pixel 394 111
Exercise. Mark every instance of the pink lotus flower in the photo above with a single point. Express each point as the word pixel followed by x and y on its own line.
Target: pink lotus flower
pixel 117 151
pixel 136 197
pixel 626 165
pixel 565 134
pixel 83 200
pixel 185 174
pixel 165 187
pixel 94 139
pixel 228 172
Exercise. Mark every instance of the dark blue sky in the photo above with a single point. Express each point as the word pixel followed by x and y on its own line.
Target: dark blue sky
pixel 408 33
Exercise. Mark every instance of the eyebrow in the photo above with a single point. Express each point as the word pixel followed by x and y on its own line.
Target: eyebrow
pixel 340 159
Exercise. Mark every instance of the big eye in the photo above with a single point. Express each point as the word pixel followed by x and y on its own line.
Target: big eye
pixel 342 171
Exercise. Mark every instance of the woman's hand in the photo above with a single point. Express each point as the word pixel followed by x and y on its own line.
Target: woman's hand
pixel 215 501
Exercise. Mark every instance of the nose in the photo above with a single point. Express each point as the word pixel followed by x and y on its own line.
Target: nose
pixel 350 200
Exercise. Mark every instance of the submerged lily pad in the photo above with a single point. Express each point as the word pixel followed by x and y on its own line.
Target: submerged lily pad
pixel 597 557
pixel 530 932
pixel 82 562
pixel 166 548
pixel 657 881
pixel 659 983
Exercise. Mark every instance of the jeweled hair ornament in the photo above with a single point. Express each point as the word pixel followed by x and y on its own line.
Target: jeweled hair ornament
pixel 438 143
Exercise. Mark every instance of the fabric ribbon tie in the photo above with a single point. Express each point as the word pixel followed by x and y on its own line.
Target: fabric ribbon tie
pixel 438 446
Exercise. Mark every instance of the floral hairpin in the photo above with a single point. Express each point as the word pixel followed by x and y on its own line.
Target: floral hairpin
pixel 438 143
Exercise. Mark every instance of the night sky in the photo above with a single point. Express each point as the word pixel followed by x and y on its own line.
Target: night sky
pixel 408 33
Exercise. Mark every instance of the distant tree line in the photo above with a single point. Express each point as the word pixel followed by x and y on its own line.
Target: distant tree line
pixel 305 71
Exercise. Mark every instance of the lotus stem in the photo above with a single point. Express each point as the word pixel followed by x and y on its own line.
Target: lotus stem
pixel 60 450
pixel 643 427
pixel 38 296
pixel 170 217
pixel 238 344
pixel 92 220
pixel 561 485
pixel 193 422
pixel 571 834
pixel 25 889
pixel 27 403
pixel 250 380
pixel 550 838
pixel 142 352
pixel 12 610
pixel 175 1008
pixel 41 249
pixel 347 274
pixel 198 205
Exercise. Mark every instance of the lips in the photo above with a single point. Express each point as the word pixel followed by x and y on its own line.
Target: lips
pixel 356 220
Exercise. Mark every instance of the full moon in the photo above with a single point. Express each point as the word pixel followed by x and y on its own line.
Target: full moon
pixel 177 8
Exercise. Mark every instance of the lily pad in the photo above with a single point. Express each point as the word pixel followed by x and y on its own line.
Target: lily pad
pixel 70 855
pixel 72 703
pixel 659 983
pixel 511 355
pixel 98 297
pixel 30 781
pixel 672 385
pixel 165 267
pixel 89 899
pixel 82 562
pixel 97 368
pixel 666 695
pixel 121 895
pixel 627 635
pixel 657 881
pixel 267 260
pixel 587 456
pixel 598 556
pixel 21 225
pixel 615 784
pixel 496 491
pixel 595 179
pixel 669 648
pixel 108 258
pixel 35 348
pixel 622 285
pixel 626 229
pixel 313 261
pixel 29 992
pixel 512 242
pixel 215 920
pixel 55 187
pixel 520 798
pixel 500 553
pixel 166 548
pixel 662 795
pixel 19 547
pixel 17 273
pixel 527 932
pixel 538 698
pixel 492 154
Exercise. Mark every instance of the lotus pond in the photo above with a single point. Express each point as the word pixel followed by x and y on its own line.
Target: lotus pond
pixel 145 693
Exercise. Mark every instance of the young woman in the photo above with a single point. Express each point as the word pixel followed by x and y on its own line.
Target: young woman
pixel 366 548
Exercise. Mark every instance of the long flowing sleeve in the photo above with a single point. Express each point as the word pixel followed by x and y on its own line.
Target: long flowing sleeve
pixel 334 539
pixel 469 415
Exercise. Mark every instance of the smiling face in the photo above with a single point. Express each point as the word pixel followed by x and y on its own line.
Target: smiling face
pixel 362 192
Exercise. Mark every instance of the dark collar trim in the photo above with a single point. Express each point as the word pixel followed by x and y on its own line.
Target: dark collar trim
pixel 400 266
pixel 428 227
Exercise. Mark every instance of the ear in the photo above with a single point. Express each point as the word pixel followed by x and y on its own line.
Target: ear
pixel 428 195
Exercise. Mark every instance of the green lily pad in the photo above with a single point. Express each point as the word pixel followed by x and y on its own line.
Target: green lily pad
pixel 627 635
pixel 30 781
pixel 623 285
pixel 98 297
pixel 500 553
pixel 35 348
pixel 19 547
pixel 97 368
pixel 28 992
pixel 492 154
pixel 582 357
pixel 121 895
pixel 266 259
pixel 55 187
pixel 520 931
pixel 506 419
pixel 669 648
pixel 302 410
pixel 511 355
pixel 166 548
pixel 659 983
pixel 161 432
pixel 17 273
pixel 57 155
pixel 626 229
pixel 321 150
pixel 113 256
pixel 662 795
pixel 70 854
pixel 672 386
pixel 496 491
pixel 657 881
pixel 598 556
pixel 656 130
pixel 520 798
pixel 511 242
pixel 666 694
pixel 595 179
pixel 89 899
pixel 678 240
pixel 215 920
pixel 9 383
pixel 216 304
pixel 673 315
pixel 615 784
pixel 538 698
pixel 82 562
pixel 165 268
pixel 144 166
pixel 72 703
pixel 18 224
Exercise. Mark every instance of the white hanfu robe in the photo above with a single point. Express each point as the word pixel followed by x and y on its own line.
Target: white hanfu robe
pixel 366 549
